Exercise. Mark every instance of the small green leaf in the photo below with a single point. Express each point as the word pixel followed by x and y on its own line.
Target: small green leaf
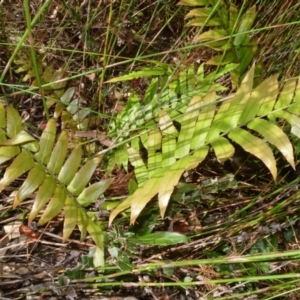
pixel 172 175
pixel 21 164
pixel 223 149
pixel 160 238
pixel 205 118
pixel 124 263
pixel 198 156
pixel 83 176
pixel 231 110
pixel 146 72
pixel 55 205
pixel 144 194
pixel 92 193
pixel 71 217
pixel 169 180
pixel 292 119
pixel 169 134
pixel 151 90
pixel 204 21
pixel 45 192
pixel 56 80
pixel 286 94
pixel 46 142
pixel 220 121
pixel 6 153
pixel 71 165
pixel 96 233
pixel 48 73
pixel 82 221
pixel 67 96
pixel 246 55
pixel 269 95
pixel 220 72
pixel 166 125
pixel 132 186
pixel 275 136
pixel 193 2
pixel 200 12
pixel 58 154
pixel 58 110
pixel 188 124
pixel 73 107
pixel 168 150
pixel 22 137
pixel 14 122
pixel 246 23
pixel 34 179
pixel 214 35
pixel 32 146
pixel 247 83
pixel 265 94
pixel 233 17
pixel 255 146
pixel 98 258
pixel 154 154
pixel 121 156
pixel 140 170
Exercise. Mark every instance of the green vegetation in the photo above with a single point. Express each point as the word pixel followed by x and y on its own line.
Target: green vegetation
pixel 162 136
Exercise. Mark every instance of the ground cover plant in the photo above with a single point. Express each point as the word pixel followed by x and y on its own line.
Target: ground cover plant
pixel 149 149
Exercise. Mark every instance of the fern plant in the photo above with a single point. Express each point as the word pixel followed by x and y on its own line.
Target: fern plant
pixel 52 176
pixel 142 115
pixel 202 121
pixel 228 33
pixel 53 89
pixel 247 117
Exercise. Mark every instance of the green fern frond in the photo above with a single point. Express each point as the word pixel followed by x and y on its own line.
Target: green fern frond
pixel 55 179
pixel 203 117
pixel 52 84
pixel 137 120
pixel 203 124
pixel 228 33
